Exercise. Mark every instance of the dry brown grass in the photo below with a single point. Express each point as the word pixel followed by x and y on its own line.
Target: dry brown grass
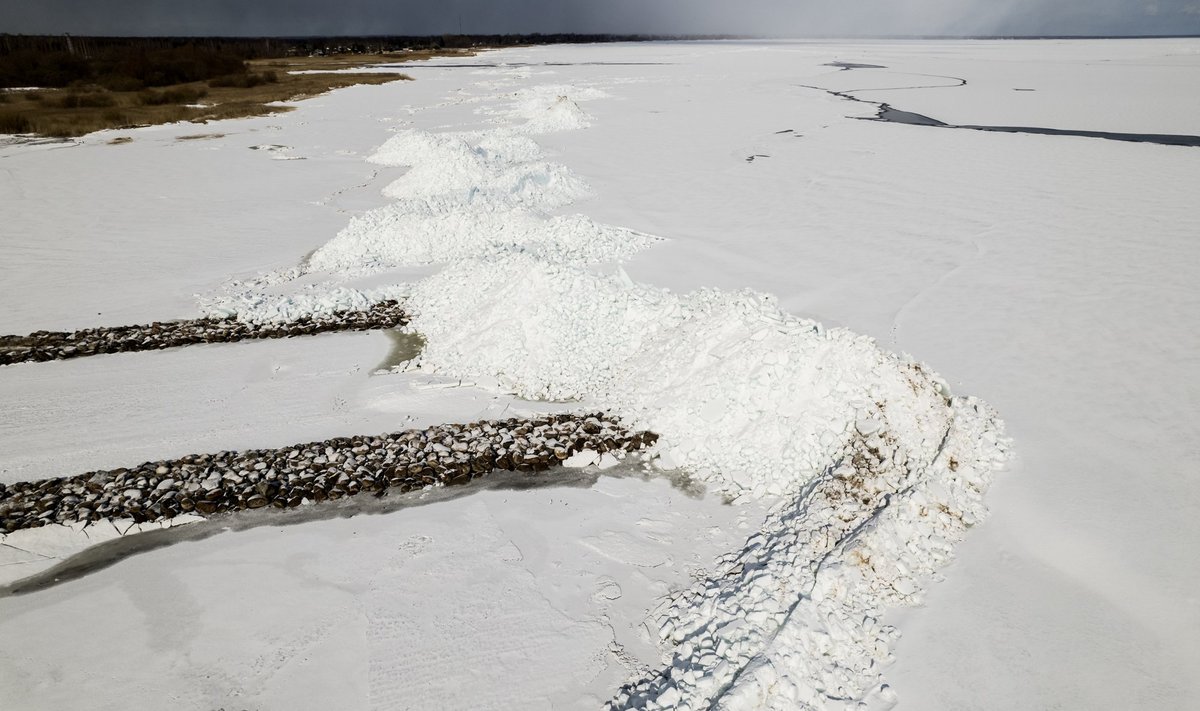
pixel 63 113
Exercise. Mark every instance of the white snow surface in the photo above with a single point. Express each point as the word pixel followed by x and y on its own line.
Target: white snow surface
pixel 754 401
pixel 1034 273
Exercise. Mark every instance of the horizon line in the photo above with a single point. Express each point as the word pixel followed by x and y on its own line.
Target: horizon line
pixel 636 37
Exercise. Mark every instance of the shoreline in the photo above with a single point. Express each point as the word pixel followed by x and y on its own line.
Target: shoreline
pixel 73 112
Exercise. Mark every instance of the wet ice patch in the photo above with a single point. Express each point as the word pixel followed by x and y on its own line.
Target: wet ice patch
pixel 30 551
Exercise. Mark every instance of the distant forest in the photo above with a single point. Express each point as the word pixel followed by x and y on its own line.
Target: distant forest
pixel 132 63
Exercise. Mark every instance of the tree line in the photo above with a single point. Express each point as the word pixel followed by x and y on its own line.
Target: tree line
pixel 134 63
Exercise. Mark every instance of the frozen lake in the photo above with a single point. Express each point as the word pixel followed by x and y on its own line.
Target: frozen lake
pixel 1051 275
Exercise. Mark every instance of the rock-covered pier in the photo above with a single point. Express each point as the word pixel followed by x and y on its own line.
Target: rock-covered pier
pixel 207 484
pixel 60 345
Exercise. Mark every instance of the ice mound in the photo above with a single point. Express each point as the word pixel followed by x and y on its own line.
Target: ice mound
pixel 756 400
pixel 552 107
pixel 563 115
pixel 467 195
pixel 412 233
pixel 879 469
pixel 455 155
pixel 504 170
pixel 260 305
pixel 534 97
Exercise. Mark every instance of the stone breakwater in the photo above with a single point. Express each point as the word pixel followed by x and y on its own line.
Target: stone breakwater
pixel 60 345
pixel 207 484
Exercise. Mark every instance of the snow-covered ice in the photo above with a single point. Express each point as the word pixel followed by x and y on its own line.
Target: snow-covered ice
pixel 754 401
pixel 594 232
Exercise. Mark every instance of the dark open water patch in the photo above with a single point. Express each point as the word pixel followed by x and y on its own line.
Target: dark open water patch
pixel 889 114
pixel 892 115
pixel 1162 139
pixel 847 66
pixel 405 348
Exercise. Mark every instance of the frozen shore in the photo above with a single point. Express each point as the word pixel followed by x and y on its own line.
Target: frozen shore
pixel 593 233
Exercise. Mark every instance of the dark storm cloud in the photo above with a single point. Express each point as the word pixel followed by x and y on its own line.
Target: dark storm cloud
pixel 757 17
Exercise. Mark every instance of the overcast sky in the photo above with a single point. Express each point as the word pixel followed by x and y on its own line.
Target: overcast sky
pixel 756 17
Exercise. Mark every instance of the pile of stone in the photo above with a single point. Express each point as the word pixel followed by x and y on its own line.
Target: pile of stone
pixel 207 484
pixel 59 345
